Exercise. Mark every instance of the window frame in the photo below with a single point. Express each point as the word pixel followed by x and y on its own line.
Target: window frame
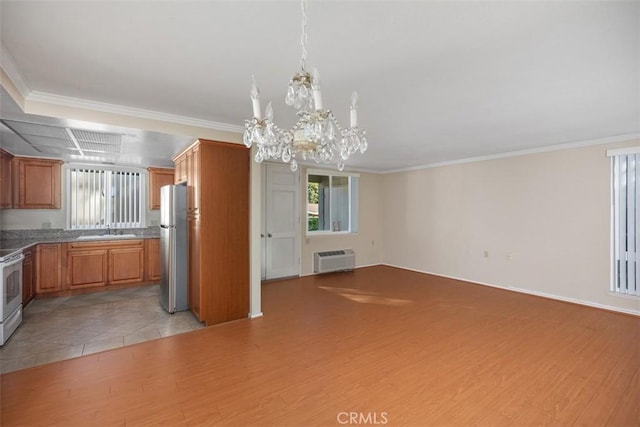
pixel 614 175
pixel 331 174
pixel 109 224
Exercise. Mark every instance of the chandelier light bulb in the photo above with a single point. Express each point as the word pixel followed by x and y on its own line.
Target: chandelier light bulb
pixel 354 109
pixel 315 84
pixel 255 99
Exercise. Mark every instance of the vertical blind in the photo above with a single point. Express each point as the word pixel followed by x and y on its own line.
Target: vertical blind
pixel 101 198
pixel 626 238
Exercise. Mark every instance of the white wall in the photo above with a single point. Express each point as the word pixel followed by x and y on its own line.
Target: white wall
pixel 367 242
pixel 549 210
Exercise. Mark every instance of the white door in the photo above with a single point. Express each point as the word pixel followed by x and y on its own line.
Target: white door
pixel 281 222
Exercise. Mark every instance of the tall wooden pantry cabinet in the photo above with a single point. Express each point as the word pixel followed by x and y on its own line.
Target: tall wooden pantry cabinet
pixel 217 177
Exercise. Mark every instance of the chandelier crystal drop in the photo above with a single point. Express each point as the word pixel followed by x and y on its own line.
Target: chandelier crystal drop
pixel 317 136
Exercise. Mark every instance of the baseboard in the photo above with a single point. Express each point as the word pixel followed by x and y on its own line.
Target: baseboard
pixel 255 316
pixel 527 291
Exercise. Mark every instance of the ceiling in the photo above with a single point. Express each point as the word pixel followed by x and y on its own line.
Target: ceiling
pixel 437 81
pixel 84 142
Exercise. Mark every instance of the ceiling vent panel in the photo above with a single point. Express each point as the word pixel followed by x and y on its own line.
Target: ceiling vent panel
pixel 25 129
pixel 97 137
pixel 51 142
pixel 91 147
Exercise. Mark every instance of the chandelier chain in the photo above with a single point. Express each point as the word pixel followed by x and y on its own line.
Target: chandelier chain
pixel 303 37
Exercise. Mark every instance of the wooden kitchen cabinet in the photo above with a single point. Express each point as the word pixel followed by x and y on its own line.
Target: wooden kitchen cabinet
pixel 158 177
pixel 218 223
pixel 152 253
pixel 28 276
pixel 86 268
pixel 36 183
pixel 193 226
pixel 181 168
pixel 193 181
pixel 49 262
pixel 126 264
pixel 5 180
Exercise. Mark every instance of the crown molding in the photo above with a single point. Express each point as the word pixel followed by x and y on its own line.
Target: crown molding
pixel 517 153
pixel 68 101
pixel 10 68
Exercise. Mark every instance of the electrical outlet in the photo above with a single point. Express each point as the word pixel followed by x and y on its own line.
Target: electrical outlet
pixel 509 256
pixel 373 243
pixel 46 225
pixel 486 254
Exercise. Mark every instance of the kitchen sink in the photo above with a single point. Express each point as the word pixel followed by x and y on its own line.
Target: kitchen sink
pixel 108 237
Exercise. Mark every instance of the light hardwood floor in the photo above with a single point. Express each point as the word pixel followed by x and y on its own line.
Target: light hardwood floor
pixel 403 347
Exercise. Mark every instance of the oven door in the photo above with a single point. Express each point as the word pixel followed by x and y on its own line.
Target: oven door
pixel 11 287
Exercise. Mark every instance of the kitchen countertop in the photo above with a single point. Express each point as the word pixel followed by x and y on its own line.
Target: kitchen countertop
pixel 24 243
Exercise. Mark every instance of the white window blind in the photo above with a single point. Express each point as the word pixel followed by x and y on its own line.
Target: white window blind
pixel 625 215
pixel 103 198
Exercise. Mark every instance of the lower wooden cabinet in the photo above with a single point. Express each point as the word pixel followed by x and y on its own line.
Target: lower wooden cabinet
pixel 126 265
pixel 28 276
pixel 152 253
pixel 79 266
pixel 49 259
pixel 86 268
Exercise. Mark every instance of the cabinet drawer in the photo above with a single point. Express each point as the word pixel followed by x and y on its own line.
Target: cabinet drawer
pixel 106 244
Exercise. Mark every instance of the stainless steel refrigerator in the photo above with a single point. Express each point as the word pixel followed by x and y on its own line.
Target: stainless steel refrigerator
pixel 173 248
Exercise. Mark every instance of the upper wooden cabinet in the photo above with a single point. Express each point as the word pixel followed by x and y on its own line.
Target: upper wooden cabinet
pixel 5 179
pixel 181 168
pixel 217 176
pixel 36 183
pixel 158 177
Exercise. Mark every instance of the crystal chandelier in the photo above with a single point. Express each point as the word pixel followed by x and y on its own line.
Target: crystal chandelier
pixel 317 135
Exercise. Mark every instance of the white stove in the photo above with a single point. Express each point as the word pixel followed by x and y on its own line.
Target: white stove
pixel 10 292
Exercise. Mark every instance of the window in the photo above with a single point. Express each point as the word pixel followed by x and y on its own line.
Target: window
pixel 332 202
pixel 625 221
pixel 104 198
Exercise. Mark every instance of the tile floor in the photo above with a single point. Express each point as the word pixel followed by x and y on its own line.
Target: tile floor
pixel 60 328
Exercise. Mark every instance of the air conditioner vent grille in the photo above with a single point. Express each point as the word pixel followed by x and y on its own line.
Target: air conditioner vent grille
pixel 328 261
pixel 330 253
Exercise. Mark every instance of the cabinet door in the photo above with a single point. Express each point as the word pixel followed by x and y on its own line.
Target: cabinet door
pixel 181 169
pixel 36 183
pixel 49 268
pixel 157 178
pixel 194 266
pixel 86 269
pixel 194 180
pixel 5 180
pixel 153 260
pixel 28 288
pixel 126 265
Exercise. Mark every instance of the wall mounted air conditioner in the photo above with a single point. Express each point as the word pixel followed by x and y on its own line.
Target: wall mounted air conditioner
pixel 326 262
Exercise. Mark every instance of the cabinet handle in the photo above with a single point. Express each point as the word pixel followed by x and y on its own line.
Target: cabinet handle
pixel 261 235
pixel 269 235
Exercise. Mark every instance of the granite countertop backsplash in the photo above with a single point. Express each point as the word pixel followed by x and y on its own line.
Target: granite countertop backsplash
pixel 21 239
